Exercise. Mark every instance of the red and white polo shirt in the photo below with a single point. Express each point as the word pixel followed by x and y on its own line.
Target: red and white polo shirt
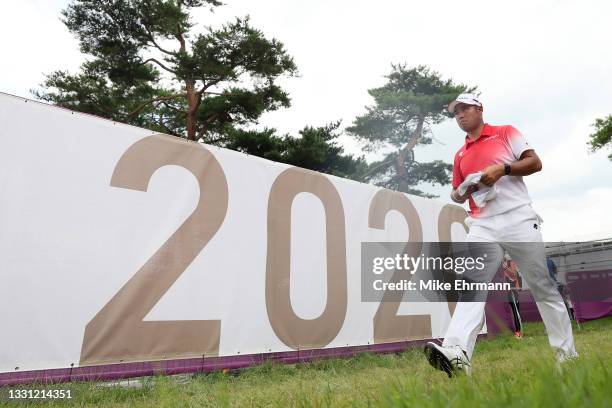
pixel 496 145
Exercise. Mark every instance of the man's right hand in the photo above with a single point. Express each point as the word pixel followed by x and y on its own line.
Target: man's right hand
pixel 461 198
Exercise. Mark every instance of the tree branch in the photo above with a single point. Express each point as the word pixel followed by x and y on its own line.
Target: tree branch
pixel 160 64
pixel 205 86
pixel 180 38
pixel 102 107
pixel 166 128
pixel 217 93
pixel 167 105
pixel 208 121
pixel 160 98
pixel 208 85
pixel 414 138
pixel 156 45
pixel 379 166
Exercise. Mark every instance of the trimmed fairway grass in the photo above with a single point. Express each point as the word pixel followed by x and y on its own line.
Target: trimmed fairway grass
pixel 506 372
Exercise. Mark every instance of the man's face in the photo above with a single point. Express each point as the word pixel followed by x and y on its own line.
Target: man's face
pixel 468 117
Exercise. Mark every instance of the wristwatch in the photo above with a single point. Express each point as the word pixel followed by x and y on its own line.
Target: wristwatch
pixel 507 169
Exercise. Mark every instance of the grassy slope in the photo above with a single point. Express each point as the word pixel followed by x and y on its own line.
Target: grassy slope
pixel 507 372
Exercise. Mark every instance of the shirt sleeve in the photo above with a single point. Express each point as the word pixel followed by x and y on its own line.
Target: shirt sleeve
pixel 457 177
pixel 518 143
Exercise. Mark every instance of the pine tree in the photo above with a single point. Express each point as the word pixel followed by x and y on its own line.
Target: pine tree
pixel 149 67
pixel 404 110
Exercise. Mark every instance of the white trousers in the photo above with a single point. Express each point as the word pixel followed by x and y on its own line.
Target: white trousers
pixel 518 232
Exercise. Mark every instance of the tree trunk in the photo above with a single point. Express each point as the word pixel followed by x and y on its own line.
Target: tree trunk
pixel 400 169
pixel 400 163
pixel 192 108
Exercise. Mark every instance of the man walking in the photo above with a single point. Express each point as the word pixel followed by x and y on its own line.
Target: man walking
pixel 512 276
pixel 503 156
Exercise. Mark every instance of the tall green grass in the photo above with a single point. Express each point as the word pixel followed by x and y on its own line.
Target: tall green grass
pixel 506 372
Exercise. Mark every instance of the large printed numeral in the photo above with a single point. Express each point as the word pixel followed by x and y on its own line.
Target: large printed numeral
pixel 388 326
pixel 449 215
pixel 118 332
pixel 291 329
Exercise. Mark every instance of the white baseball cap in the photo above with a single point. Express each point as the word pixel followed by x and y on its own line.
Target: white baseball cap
pixel 467 98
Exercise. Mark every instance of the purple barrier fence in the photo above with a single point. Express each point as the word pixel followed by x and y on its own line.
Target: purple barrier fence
pixel 208 364
pixel 589 291
pixel 591 294
pixel 592 310
pixel 496 322
pixel 528 307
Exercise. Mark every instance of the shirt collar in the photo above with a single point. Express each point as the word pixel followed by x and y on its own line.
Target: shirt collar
pixel 487 131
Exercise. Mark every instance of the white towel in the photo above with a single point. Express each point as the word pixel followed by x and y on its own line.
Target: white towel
pixel 484 193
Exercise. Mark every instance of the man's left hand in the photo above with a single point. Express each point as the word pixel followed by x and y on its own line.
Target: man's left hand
pixel 491 174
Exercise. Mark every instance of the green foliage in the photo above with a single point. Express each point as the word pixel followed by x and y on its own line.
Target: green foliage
pixel 316 149
pixel 603 134
pixel 384 173
pixel 404 110
pixel 149 68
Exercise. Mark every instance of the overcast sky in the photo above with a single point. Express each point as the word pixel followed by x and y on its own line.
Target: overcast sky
pixel 544 68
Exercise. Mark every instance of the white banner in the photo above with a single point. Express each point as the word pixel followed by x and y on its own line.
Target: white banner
pixel 119 245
